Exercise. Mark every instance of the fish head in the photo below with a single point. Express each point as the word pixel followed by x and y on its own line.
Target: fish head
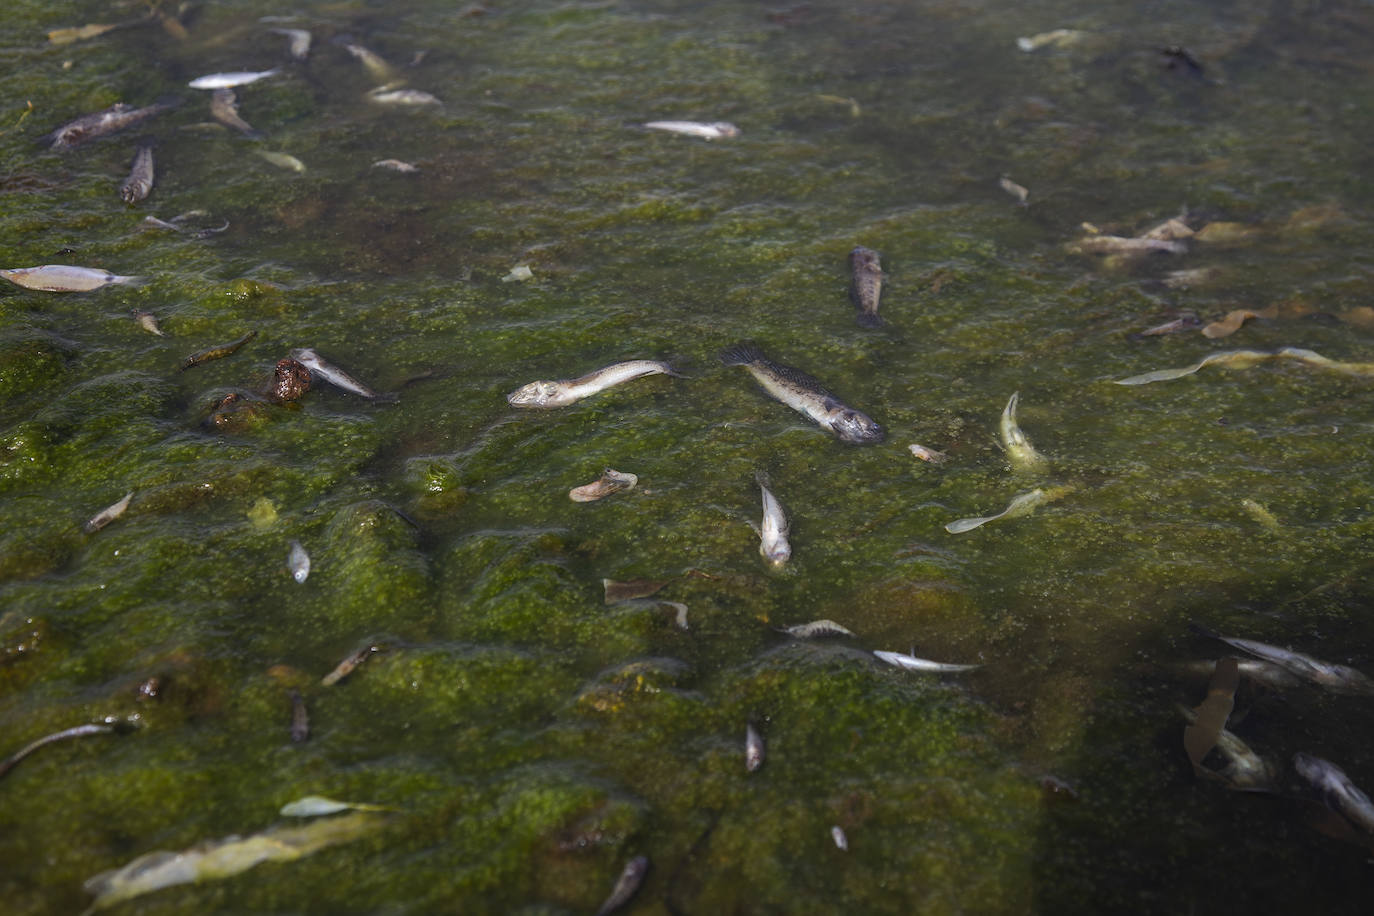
pixel 862 257
pixel 776 552
pixel 856 426
pixel 535 394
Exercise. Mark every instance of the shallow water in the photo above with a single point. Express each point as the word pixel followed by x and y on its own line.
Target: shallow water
pixel 534 739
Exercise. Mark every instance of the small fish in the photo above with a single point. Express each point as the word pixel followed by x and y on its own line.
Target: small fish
pixel 1014 189
pixel 1115 244
pixel 911 663
pixel 681 612
pixel 805 395
pixel 1059 38
pixel 345 667
pixel 282 160
pixel 1017 445
pixel 62 278
pixel 1209 718
pixel 379 68
pixel 773 530
pixel 567 391
pixel 816 628
pixel 712 131
pixel 1171 230
pixel 229 80
pixel 300 719
pixel 411 98
pixel 1231 323
pixel 298 562
pixel 1260 514
pixel 332 373
pixel 1020 505
pixel 927 454
pixel 396 165
pixel 635 588
pixel 1170 327
pixel 107 515
pixel 841 841
pixel 213 353
pixel 753 748
pixel 1341 795
pixel 299 42
pixel 148 322
pixel 611 481
pixel 1195 276
pixel 224 108
pixel 854 109
pixel 518 273
pixel 102 123
pixel 139 184
pixel 1337 678
pixel 318 806
pixel 625 885
pixel 78 33
pixel 1242 359
pixel 865 285
pixel 80 731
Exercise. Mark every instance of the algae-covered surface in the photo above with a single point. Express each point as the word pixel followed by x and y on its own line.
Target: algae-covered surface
pixel 530 739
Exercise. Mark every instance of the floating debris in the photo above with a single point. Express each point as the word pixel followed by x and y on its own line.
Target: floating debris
pixel 841 841
pixel 1243 359
pixel 928 455
pixel 298 562
pixel 714 130
pixel 290 381
pixel 213 353
pixel 518 274
pixel 1015 442
pixel 108 514
pixel 611 481
pixel 625 886
pixel 753 748
pixel 319 806
pixel 1209 718
pixel 912 663
pixel 282 160
pixel 263 513
pixel 1229 325
pixel 63 278
pixel 148 322
pixel 345 667
pixel 816 628
pixel 634 588
pixel 1014 189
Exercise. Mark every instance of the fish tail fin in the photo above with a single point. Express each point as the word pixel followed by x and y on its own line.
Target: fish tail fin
pixel 762 479
pixel 741 354
pixel 869 320
pixel 1201 630
pixel 128 281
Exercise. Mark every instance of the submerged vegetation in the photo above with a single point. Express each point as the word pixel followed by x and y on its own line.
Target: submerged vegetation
pixel 526 735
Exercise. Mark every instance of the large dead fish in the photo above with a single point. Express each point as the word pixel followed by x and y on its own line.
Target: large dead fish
pixel 805 394
pixel 102 123
pixel 139 184
pixel 1336 678
pixel 568 391
pixel 63 278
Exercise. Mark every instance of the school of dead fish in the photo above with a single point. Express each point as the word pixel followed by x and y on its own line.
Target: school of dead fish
pixel 1205 737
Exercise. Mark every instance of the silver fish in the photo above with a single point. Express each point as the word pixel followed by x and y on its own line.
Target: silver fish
pixel 567 391
pixel 1243 359
pixel 773 530
pixel 282 160
pixel 1337 678
pixel 1340 793
pixel 332 374
pixel 1014 189
pixel 753 748
pixel 375 65
pixel 805 395
pixel 611 481
pixel 109 514
pixel 148 322
pixel 396 165
pixel 626 885
pixel 298 562
pixel 712 131
pixel 1018 446
pixel 224 108
pixel 865 285
pixel 63 278
pixel 816 628
pixel 300 42
pixel 406 97
pixel 234 78
pixel 927 454
pixel 911 663
pixel 1020 505
pixel 139 184
pixel 80 731
pixel 1261 672
pixel 88 127
pixel 841 841
pixel 1115 244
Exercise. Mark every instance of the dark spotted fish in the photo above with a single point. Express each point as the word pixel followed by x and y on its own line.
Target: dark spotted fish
pixel 625 886
pixel 102 123
pixel 865 285
pixel 300 719
pixel 139 184
pixel 805 395
pixel 214 353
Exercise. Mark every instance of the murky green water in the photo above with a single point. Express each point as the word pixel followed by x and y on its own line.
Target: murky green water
pixel 534 739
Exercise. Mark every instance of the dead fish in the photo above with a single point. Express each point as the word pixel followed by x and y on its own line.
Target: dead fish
pixel 865 285
pixel 520 272
pixel 772 531
pixel 108 514
pixel 927 454
pixel 635 588
pixel 300 719
pixel 912 663
pixel 1245 771
pixel 1115 244
pixel 298 562
pixel 567 391
pixel 681 609
pixel 299 42
pixel 1021 504
pixel 229 80
pixel 102 123
pixel 714 130
pixel 148 322
pixel 1171 327
pixel 332 373
pixel 1337 678
pixel 816 628
pixel 1261 672
pixel 804 394
pixel 1177 57
pixel 1210 717
pixel 282 160
pixel 213 353
pixel 1015 442
pixel 1337 789
pixel 841 841
pixel 224 108
pixel 78 33
pixel 1059 38
pixel 611 481
pixel 63 278
pixel 1241 359
pixel 753 748
pixel 396 165
pixel 1195 276
pixel 107 727
pixel 139 184
pixel 1014 189
pixel 411 98
pixel 345 667
pixel 379 68
pixel 1230 324
pixel 626 885
pixel 1260 514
